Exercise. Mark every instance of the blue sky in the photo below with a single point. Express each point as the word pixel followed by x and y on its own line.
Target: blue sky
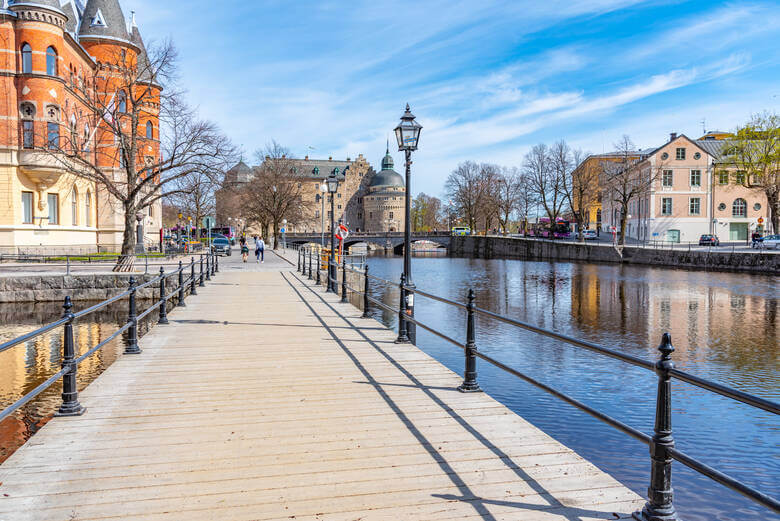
pixel 487 79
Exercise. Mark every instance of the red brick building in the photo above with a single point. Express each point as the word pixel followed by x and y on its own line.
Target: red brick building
pixel 54 60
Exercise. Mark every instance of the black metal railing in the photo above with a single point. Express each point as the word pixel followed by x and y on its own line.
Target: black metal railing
pixel 662 449
pixel 70 403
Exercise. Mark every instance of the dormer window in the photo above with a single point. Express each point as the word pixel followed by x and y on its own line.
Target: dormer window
pixel 98 20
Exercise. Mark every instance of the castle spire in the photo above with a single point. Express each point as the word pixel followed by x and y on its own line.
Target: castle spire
pixel 103 19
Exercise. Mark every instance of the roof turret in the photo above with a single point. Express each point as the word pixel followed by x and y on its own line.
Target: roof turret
pixel 52 5
pixel 143 64
pixel 387 176
pixel 103 19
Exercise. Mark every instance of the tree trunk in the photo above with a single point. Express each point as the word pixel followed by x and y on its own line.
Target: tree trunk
pixel 623 219
pixel 126 260
pixel 276 234
pixel 773 201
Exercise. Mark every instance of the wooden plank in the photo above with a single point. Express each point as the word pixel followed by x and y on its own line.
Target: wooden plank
pixel 243 409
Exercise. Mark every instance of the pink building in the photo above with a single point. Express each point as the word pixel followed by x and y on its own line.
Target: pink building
pixel 691 193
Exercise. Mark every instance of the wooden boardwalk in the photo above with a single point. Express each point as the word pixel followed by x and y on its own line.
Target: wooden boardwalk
pixel 267 399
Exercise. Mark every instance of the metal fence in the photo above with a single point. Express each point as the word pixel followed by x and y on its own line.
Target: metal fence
pixel 662 446
pixel 197 272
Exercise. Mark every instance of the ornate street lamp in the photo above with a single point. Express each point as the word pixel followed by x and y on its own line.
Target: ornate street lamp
pixel 407 133
pixel 333 187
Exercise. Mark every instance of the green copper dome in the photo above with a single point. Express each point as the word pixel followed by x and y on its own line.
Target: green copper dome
pixel 387 176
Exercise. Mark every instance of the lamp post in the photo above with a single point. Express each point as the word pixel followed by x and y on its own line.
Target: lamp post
pixel 407 133
pixel 284 234
pixel 333 186
pixel 323 191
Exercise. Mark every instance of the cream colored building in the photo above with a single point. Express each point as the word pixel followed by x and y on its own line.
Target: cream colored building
pixel 385 200
pixel 690 196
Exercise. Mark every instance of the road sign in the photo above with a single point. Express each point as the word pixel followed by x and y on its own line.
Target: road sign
pixel 209 222
pixel 760 220
pixel 282 230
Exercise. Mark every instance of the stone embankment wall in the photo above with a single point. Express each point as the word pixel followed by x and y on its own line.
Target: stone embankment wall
pixel 54 288
pixel 534 249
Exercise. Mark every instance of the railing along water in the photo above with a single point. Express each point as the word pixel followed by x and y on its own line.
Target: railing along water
pixel 659 505
pixel 70 404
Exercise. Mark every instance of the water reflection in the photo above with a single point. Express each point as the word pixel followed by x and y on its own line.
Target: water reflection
pixel 24 367
pixel 724 327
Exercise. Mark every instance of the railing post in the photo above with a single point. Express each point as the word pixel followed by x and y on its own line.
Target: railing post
pixel 193 290
pixel 343 278
pixel 201 283
pixel 403 336
pixel 319 268
pixel 299 260
pixel 163 318
pixel 213 263
pixel 470 384
pixel 216 261
pixel 365 291
pixel 146 264
pixel 180 303
pixel 70 394
pixel 208 266
pixel 132 332
pixel 303 261
pixel 660 506
pixel 311 262
pixel 67 264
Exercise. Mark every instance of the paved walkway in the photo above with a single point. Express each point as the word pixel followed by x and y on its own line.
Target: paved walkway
pixel 267 399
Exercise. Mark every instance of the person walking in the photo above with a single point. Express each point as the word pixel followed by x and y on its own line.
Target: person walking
pixel 260 249
pixel 244 251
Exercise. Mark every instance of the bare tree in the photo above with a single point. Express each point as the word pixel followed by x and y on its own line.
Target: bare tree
pixel 753 158
pixel 582 189
pixel 488 194
pixel 133 162
pixel 546 170
pixel 276 192
pixel 508 191
pixel 195 196
pixel 526 199
pixel 622 182
pixel 462 188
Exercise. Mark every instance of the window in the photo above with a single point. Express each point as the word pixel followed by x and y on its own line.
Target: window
pixel 86 138
pixel 723 178
pixel 739 178
pixel 695 177
pixel 680 154
pixel 666 206
pixel 667 178
pixel 53 201
pixel 26 59
pixel 53 135
pixel 722 206
pixel 317 198
pixel 149 130
pixel 697 155
pixel 27 207
pixel 757 206
pixel 391 215
pixel 51 61
pixel 74 207
pixel 338 196
pixel 88 209
pixel 694 207
pixel 121 102
pixel 370 215
pixel 317 214
pixel 28 134
pixel 339 207
pixel 739 208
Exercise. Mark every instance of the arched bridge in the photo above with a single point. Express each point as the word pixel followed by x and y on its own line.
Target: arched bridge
pixel 394 240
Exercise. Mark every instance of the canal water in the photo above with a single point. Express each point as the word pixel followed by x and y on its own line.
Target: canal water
pixel 724 327
pixel 25 366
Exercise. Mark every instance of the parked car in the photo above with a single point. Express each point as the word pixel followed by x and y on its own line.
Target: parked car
pixel 770 242
pixel 221 246
pixel 590 235
pixel 709 240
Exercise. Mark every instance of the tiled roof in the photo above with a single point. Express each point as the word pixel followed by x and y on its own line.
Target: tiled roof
pixel 103 19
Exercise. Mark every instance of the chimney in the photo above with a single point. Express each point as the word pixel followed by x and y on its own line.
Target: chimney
pixel 672 136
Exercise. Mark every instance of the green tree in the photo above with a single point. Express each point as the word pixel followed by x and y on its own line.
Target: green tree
pixel 753 158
